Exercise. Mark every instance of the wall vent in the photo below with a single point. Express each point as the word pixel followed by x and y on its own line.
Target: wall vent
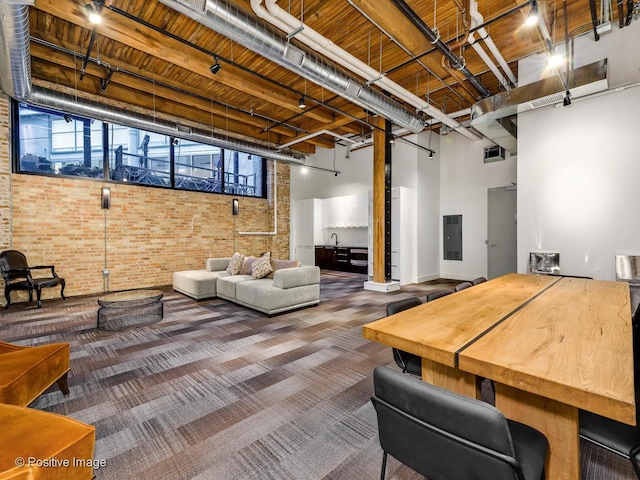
pixel 493 154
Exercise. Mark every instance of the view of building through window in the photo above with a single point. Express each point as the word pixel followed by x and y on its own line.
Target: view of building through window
pixel 55 143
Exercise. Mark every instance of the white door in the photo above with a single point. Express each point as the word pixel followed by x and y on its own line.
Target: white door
pixel 501 231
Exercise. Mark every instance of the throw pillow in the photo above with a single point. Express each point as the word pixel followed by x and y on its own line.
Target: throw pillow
pixel 246 266
pixel 262 267
pixel 277 264
pixel 235 264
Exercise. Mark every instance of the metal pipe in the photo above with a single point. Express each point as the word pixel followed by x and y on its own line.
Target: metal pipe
pixel 240 27
pixel 92 109
pixel 15 59
pixel 440 45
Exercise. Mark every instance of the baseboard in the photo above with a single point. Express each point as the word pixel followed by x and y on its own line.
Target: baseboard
pixel 427 278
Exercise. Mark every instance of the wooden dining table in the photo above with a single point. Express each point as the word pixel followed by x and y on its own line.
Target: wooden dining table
pixel 552 346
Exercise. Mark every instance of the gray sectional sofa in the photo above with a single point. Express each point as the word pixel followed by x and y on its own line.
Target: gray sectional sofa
pixel 289 288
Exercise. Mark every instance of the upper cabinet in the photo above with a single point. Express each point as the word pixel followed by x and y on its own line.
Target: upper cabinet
pixel 349 211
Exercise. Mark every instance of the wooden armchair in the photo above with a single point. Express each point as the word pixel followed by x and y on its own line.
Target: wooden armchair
pixel 16 273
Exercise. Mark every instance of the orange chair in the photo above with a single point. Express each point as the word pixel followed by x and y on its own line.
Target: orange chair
pixel 37 445
pixel 26 372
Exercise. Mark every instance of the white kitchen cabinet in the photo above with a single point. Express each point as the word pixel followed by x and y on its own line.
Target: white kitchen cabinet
pixel 306 231
pixel 348 211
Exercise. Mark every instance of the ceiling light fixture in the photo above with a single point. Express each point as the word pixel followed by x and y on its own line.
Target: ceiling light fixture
pixel 555 60
pixel 567 99
pixel 302 103
pixel 216 67
pixel 93 14
pixel 430 153
pixel 392 140
pixel 67 118
pixel 533 18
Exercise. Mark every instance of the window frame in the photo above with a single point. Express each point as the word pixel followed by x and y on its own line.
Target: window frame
pixel 261 177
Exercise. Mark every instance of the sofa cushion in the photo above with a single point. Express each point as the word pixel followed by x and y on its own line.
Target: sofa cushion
pixel 217 264
pixel 197 284
pixel 227 285
pixel 262 267
pixel 261 295
pixel 248 263
pixel 235 264
pixel 277 264
pixel 294 277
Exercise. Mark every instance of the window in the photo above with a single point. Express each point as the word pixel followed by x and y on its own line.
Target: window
pixel 55 143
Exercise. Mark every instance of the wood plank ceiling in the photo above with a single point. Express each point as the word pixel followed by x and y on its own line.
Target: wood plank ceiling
pixel 160 60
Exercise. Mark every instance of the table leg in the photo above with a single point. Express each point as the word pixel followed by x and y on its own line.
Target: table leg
pixel 450 378
pixel 558 422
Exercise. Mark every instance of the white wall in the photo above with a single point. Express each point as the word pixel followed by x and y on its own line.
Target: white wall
pixel 464 180
pixel 578 183
pixel 411 168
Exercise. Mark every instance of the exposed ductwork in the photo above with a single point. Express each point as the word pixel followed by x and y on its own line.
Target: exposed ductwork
pixel 248 31
pixel 15 59
pixel 71 104
pixel 314 40
pixel 15 81
pixel 492 116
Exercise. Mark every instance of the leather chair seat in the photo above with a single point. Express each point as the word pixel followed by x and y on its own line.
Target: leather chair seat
pixel 26 372
pixel 64 443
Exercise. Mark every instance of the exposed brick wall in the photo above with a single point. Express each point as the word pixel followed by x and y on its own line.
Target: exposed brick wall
pixel 150 232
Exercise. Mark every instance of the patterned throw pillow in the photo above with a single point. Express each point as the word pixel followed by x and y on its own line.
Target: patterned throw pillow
pixel 235 264
pixel 246 266
pixel 262 267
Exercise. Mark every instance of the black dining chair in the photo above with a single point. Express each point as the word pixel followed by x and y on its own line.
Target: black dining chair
pixel 408 362
pixel 16 274
pixel 463 285
pixel 478 280
pixel 617 437
pixel 434 295
pixel 444 435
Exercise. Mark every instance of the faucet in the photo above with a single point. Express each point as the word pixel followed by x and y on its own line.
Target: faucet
pixel 336 235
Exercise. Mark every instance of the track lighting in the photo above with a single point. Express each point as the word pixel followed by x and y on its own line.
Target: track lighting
pixel 430 153
pixel 216 67
pixel 67 118
pixel 567 99
pixel 302 103
pixel 93 14
pixel 392 139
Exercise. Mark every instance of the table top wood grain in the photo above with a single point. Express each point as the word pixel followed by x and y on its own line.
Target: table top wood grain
pixel 572 344
pixel 563 338
pixel 437 329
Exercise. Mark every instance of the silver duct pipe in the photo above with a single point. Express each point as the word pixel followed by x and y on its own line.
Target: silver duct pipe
pixel 256 35
pixel 70 104
pixel 15 59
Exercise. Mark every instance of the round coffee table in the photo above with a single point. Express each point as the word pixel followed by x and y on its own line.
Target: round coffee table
pixel 130 308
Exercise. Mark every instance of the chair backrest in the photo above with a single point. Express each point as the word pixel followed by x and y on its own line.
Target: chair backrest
pixel 13 260
pixel 441 434
pixel 463 285
pixel 431 296
pixel 400 305
pixel 478 280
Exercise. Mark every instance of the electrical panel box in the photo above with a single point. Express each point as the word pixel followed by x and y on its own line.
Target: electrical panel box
pixel 493 154
pixel 452 237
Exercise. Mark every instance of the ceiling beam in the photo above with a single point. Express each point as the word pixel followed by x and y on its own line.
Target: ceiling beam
pixel 128 32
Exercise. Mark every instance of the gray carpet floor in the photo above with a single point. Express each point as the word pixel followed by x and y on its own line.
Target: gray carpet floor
pixel 218 392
